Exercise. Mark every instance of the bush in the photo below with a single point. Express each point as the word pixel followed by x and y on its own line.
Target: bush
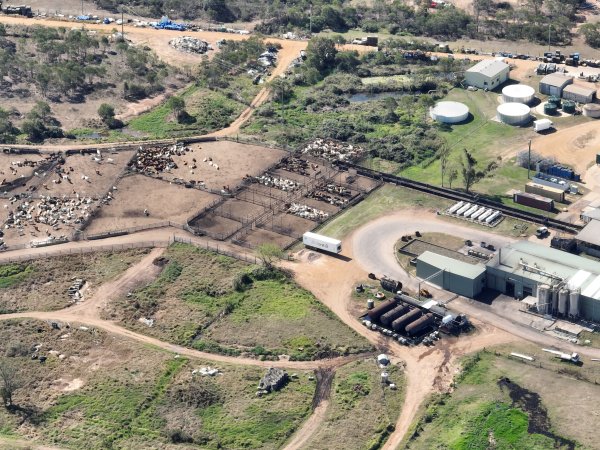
pixel 242 282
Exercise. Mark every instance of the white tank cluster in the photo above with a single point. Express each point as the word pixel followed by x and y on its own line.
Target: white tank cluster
pixel 557 301
pixel 591 110
pixel 518 93
pixel 475 213
pixel 514 113
pixel 449 112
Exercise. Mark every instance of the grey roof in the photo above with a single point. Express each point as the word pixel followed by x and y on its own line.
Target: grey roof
pixel 489 67
pixel 557 80
pixel 591 232
pixel 593 214
pixel 452 265
pixel 547 265
pixel 580 90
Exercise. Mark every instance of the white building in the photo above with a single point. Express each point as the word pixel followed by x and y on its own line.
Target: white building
pixel 487 74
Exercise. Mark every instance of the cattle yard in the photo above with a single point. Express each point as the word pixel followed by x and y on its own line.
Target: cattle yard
pixel 226 190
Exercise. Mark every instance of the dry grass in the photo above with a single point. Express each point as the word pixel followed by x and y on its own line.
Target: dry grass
pixel 41 285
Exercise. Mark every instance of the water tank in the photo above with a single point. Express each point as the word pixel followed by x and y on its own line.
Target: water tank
pixel 381 309
pixel 403 321
pixel 574 303
pixel 449 112
pixel 543 298
pixel 591 110
pixel 392 315
pixel 550 109
pixel 514 113
pixel 385 377
pixel 563 298
pixel 569 106
pixel 518 93
pixel 370 303
pixel 555 99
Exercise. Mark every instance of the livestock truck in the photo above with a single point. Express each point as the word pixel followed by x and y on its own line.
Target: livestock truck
pixel 320 242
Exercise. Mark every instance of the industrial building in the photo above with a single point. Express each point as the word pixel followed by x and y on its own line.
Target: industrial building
pixel 554 84
pixel 451 274
pixel 449 112
pixel 487 74
pixel 524 269
pixel 588 239
pixel 579 93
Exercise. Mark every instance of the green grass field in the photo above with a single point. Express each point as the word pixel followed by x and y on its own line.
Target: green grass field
pixel 504 403
pixel 219 304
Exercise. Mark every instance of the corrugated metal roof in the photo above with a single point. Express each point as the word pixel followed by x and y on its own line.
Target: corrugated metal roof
pixel 452 265
pixel 489 67
pixel 590 233
pixel 579 90
pixel 557 80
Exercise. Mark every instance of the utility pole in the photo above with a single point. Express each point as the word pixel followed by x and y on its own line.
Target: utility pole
pixel 548 35
pixel 122 24
pixel 529 160
pixel 310 20
pixel 82 7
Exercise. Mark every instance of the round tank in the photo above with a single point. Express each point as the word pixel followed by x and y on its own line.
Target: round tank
pixel 392 315
pixel 554 299
pixel 543 298
pixel 569 107
pixel 563 298
pixel 513 113
pixel 574 303
pixel 591 110
pixel 449 112
pixel 370 303
pixel 403 321
pixel 381 309
pixel 554 99
pixel 550 108
pixel 384 377
pixel 518 93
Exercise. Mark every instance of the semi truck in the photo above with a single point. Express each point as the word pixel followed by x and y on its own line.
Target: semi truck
pixel 320 242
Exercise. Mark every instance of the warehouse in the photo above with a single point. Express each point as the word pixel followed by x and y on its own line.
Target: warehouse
pixel 588 239
pixel 450 274
pixel 487 74
pixel 520 268
pixel 554 84
pixel 579 94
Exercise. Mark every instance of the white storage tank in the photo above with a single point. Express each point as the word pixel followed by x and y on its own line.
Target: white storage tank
pixel 477 213
pixel 591 110
pixel 463 209
pixel 514 113
pixel 563 298
pixel 554 299
pixel 456 207
pixel 449 112
pixel 518 93
pixel 485 215
pixel 574 303
pixel 543 298
pixel 471 210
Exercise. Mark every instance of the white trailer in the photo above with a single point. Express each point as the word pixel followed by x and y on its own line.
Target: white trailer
pixel 320 242
pixel 542 125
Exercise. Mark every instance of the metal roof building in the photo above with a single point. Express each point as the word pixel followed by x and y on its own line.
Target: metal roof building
pixel 579 94
pixel 451 274
pixel 554 84
pixel 521 267
pixel 588 239
pixel 487 74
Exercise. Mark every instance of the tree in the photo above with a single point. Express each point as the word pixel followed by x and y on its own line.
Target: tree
pixel 8 132
pixel 177 105
pixel 321 53
pixel 269 253
pixel 282 90
pixel 452 176
pixel 10 381
pixel 106 113
pixel 470 175
pixel 444 155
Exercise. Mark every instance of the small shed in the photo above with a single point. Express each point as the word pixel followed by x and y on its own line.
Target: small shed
pixel 451 274
pixel 579 93
pixel 554 84
pixel 487 74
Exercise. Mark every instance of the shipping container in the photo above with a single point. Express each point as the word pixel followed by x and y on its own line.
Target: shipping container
pixel 320 242
pixel 534 201
pixel 558 195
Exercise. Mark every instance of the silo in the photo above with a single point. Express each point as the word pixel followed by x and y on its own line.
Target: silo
pixel 563 298
pixel 400 323
pixel 591 110
pixel 569 106
pixel 370 303
pixel 514 113
pixel 392 315
pixel 550 109
pixel 543 298
pixel 449 112
pixel 554 299
pixel 574 303
pixel 381 309
pixel 518 93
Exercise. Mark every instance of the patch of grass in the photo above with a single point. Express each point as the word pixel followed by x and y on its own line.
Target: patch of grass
pixel 13 274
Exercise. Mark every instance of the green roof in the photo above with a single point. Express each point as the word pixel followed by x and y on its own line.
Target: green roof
pixel 452 265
